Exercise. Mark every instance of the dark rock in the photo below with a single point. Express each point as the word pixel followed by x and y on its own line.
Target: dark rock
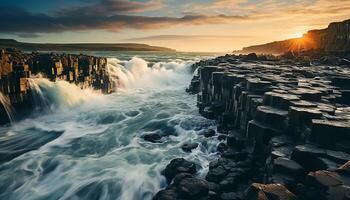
pixel 328 132
pixel 221 147
pixel 287 166
pixel 177 166
pixel 188 146
pixel 167 194
pixel 252 56
pixel 193 188
pixel 209 133
pixel 179 177
pixel 152 137
pixel 216 174
pixel 231 196
pixel 309 157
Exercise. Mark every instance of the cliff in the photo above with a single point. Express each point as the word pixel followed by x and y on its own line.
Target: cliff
pixel 284 130
pixel 10 43
pixel 16 68
pixel 334 38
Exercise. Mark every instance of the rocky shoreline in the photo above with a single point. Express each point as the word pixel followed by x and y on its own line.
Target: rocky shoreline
pixel 17 68
pixel 284 123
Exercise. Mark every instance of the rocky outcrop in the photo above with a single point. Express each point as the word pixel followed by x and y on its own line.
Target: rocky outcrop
pixel 334 38
pixel 285 123
pixel 17 67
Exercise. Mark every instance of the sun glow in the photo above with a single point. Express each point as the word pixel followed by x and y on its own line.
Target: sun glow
pixel 295 35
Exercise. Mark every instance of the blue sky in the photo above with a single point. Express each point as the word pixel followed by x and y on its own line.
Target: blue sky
pixel 199 25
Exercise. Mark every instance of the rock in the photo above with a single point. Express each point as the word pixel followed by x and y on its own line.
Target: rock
pixel 344 169
pixel 309 157
pixel 167 194
pixel 278 100
pixel 273 117
pixel 259 136
pixel 231 196
pixel 209 133
pixel 325 185
pixel 252 56
pixel 193 188
pixel 327 132
pixel 188 146
pixel 177 166
pixel 324 179
pixel 152 137
pixel 289 167
pixel 216 174
pixel 179 177
pixel 221 147
pixel 269 192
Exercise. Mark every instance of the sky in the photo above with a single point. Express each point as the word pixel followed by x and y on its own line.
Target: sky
pixel 198 25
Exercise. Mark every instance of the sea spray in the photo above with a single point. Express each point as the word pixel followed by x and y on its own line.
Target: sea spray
pixel 6 103
pixel 136 73
pixel 101 153
pixel 59 94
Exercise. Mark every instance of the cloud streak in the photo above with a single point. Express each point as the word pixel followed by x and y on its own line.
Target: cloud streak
pixel 17 20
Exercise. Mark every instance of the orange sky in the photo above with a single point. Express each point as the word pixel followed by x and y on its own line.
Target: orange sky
pixel 198 25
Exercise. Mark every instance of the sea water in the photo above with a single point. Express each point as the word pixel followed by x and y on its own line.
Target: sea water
pixel 81 144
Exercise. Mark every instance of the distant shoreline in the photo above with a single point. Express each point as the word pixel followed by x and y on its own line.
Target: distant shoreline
pixel 10 43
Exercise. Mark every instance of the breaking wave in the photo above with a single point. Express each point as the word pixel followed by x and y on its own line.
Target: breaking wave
pixel 90 145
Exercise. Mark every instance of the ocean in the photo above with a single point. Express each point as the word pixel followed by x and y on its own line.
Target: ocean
pixel 81 144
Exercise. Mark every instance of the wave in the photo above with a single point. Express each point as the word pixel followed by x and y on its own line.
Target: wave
pixel 59 94
pixel 6 103
pixel 136 73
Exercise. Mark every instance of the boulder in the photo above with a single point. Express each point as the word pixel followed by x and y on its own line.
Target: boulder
pixel 258 191
pixel 167 194
pixel 152 137
pixel 177 166
pixel 189 146
pixel 209 133
pixel 193 188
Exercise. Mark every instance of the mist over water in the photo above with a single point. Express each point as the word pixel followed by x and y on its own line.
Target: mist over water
pixel 81 144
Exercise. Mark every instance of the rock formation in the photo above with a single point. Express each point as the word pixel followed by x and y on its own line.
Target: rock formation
pixel 17 67
pixel 284 125
pixel 334 38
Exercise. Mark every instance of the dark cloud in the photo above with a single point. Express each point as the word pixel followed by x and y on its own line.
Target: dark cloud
pixel 16 20
pixel 112 7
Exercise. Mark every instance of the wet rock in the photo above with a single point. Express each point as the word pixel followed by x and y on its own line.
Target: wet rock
pixel 209 133
pixel 193 188
pixel 221 147
pixel 189 146
pixel 177 166
pixel 269 192
pixel 179 177
pixel 152 137
pixel 216 174
pixel 168 194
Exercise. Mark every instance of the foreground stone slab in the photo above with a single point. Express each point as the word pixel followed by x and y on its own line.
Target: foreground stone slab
pixel 269 192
